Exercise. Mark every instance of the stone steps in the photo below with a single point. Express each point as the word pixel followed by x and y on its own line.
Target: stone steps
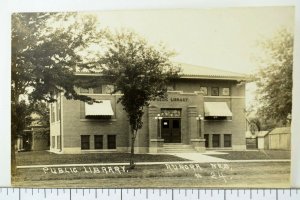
pixel 178 148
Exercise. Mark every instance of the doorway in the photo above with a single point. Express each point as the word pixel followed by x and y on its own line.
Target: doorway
pixel 171 130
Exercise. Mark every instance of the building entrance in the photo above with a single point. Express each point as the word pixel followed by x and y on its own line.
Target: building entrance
pixel 171 130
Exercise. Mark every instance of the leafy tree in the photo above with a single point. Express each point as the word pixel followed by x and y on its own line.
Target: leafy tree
pixel 41 109
pixel 29 114
pixel 44 56
pixel 254 125
pixel 274 79
pixel 24 112
pixel 140 72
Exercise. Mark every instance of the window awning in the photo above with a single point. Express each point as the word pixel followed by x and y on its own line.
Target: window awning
pixel 103 108
pixel 216 109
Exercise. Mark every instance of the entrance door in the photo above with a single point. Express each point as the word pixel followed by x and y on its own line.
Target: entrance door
pixel 206 137
pixel 171 130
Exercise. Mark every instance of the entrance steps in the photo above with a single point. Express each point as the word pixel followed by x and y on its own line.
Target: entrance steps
pixel 178 148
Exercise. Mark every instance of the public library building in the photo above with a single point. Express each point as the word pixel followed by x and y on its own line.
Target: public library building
pixel 204 110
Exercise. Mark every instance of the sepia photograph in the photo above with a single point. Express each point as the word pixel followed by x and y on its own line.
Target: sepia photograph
pixel 152 98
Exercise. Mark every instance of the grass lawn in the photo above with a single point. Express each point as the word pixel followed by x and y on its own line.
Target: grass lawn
pixel 236 174
pixel 47 158
pixel 267 174
pixel 254 155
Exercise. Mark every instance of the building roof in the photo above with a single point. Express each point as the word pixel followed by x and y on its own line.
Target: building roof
pixel 281 130
pixel 262 133
pixel 259 134
pixel 195 71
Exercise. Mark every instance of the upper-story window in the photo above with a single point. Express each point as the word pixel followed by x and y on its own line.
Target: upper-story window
pixel 214 91
pixel 97 90
pixel 225 91
pixel 101 89
pixel 52 112
pixel 171 86
pixel 203 90
pixel 107 89
pixel 58 109
pixel 84 90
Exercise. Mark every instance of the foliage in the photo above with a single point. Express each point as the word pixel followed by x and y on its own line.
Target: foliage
pixel 40 109
pixel 44 56
pixel 274 79
pixel 30 113
pixel 255 125
pixel 24 112
pixel 262 124
pixel 45 50
pixel 139 71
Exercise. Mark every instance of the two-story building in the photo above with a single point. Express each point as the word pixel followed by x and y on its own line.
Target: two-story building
pixel 204 110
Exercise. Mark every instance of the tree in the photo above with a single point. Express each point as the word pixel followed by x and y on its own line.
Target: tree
pixel 24 112
pixel 44 56
pixel 140 72
pixel 30 114
pixel 274 79
pixel 41 109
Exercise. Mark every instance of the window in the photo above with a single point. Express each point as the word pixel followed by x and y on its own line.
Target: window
pixel 97 90
pixel 206 137
pixel 111 141
pixel 98 141
pixel 85 142
pixel 214 91
pixel 227 140
pixel 58 114
pixel 52 113
pixel 216 140
pixel 84 90
pixel 168 112
pixel 53 142
pixel 216 118
pixel 176 123
pixel 204 90
pixel 225 91
pixel 107 89
pixel 165 123
pixel 58 141
pixel 171 87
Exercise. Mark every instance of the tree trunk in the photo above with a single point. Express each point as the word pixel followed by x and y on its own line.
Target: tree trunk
pixel 13 154
pixel 131 161
pixel 13 140
pixel 14 122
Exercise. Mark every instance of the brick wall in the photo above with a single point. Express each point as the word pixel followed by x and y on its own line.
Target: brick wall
pixel 75 124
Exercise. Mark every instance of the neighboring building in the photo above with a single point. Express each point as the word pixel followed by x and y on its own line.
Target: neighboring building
pixel 279 138
pixel 256 140
pixel 262 143
pixel 35 138
pixel 251 140
pixel 217 95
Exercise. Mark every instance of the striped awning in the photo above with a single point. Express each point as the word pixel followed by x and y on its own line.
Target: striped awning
pixel 216 109
pixel 101 108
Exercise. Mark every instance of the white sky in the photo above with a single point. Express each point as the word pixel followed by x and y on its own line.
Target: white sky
pixel 223 38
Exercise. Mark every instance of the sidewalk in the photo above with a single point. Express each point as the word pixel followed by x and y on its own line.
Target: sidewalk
pixel 193 157
pixel 202 158
pixel 199 157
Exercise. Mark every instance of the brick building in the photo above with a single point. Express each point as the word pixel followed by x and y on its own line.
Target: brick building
pixel 204 109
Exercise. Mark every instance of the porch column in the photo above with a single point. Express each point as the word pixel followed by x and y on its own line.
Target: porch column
pixel 156 143
pixel 192 122
pixel 195 128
